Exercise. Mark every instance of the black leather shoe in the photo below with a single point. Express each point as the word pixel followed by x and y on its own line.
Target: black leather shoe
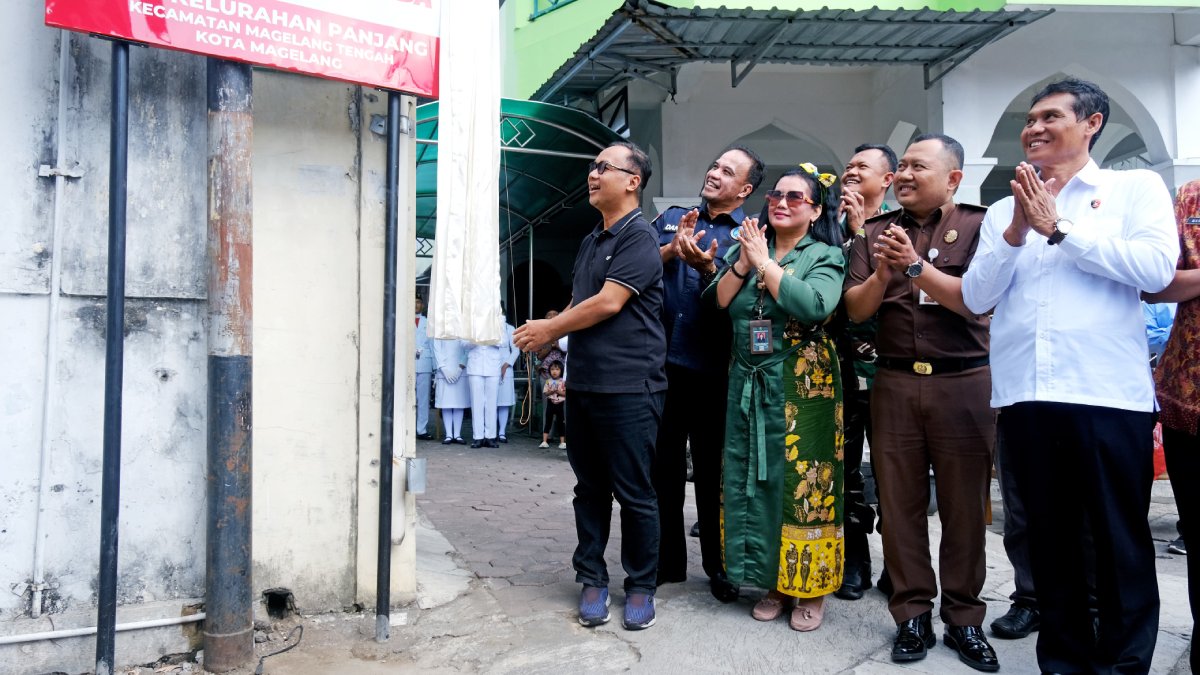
pixel 1019 622
pixel 722 588
pixel 972 647
pixel 695 531
pixel 491 443
pixel 855 580
pixel 476 444
pixel 425 437
pixel 447 440
pixel 914 638
pixel 885 583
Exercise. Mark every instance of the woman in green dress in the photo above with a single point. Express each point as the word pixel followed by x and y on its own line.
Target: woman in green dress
pixel 782 478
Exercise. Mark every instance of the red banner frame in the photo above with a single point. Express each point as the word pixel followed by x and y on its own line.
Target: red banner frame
pixel 280 34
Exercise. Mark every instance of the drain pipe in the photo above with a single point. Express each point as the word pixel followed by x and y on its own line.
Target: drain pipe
pixel 91 630
pixel 229 630
pixel 38 584
pixel 383 565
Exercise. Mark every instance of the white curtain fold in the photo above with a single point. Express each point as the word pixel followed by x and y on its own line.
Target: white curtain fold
pixel 465 279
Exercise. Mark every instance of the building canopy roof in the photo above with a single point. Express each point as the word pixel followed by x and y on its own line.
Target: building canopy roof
pixel 650 40
pixel 544 154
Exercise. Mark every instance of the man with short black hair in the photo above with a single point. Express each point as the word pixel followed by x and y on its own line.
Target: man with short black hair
pixel 868 175
pixel 693 243
pixel 1063 262
pixel 617 385
pixel 929 403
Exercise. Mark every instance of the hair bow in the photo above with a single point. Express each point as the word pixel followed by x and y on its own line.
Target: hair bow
pixel 826 180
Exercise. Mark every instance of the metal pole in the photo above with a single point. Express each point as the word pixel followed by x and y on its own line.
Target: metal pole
pixel 114 361
pixel 529 375
pixel 229 627
pixel 383 575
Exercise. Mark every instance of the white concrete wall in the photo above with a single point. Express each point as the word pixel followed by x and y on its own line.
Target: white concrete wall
pixel 820 113
pixel 1130 55
pixel 786 114
pixel 318 199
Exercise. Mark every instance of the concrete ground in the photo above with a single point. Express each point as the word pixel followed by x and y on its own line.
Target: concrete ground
pixel 497 595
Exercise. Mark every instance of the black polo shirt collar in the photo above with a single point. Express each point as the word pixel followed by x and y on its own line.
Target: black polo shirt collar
pixel 618 226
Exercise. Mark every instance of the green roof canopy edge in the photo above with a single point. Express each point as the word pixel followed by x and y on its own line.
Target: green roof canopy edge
pixel 545 149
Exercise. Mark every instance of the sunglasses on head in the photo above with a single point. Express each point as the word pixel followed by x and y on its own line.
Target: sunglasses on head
pixel 602 166
pixel 793 197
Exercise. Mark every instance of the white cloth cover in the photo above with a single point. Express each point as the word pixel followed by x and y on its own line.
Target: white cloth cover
pixel 465 280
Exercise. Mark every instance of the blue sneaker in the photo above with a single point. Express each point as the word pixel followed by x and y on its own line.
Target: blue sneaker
pixel 593 606
pixel 639 611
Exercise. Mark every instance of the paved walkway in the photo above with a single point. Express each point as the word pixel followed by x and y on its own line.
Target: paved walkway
pixel 497 594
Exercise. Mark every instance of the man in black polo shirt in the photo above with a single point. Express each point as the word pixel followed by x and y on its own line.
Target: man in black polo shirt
pixel 617 385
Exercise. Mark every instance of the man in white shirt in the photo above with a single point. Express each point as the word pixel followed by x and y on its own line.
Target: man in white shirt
pixel 1063 262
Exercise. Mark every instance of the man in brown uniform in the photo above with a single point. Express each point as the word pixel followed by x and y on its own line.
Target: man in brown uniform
pixel 929 404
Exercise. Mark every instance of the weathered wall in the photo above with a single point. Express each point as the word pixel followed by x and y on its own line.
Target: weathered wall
pixel 318 195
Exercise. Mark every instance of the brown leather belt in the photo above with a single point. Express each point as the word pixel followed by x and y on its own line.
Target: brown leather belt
pixel 931 366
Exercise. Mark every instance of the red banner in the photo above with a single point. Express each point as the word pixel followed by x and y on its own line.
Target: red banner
pixel 391 44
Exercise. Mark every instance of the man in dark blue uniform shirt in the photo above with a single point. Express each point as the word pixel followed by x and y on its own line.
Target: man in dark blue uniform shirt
pixel 693 243
pixel 617 385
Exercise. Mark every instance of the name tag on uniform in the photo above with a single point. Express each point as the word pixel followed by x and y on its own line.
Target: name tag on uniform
pixel 760 336
pixel 926 300
pixel 1193 221
pixel 670 228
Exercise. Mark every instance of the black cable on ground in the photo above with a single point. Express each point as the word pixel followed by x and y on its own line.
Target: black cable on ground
pixel 300 629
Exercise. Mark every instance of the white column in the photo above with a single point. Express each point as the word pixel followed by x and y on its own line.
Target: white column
pixel 975 171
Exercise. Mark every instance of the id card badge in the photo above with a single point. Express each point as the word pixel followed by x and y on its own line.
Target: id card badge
pixel 760 336
pixel 926 300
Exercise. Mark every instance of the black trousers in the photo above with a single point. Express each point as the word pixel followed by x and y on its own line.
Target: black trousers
pixel 554 412
pixel 1078 466
pixel 1183 466
pixel 611 452
pixel 860 517
pixel 695 412
pixel 1016 534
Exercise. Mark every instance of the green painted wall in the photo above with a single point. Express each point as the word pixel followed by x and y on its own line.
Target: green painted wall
pixel 539 47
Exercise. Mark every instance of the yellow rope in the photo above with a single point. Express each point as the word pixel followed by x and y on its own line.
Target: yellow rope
pixel 527 400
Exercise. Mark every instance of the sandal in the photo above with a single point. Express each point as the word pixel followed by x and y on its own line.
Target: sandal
pixel 771 606
pixel 808 614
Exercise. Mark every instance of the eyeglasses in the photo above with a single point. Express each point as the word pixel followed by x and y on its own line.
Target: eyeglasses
pixel 602 166
pixel 793 198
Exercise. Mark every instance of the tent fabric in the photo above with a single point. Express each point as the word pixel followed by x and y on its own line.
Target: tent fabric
pixel 545 149
pixel 465 279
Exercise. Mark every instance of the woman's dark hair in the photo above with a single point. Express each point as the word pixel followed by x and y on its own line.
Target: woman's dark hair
pixel 825 229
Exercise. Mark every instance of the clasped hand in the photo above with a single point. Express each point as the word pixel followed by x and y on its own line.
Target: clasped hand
pixel 687 243
pixel 894 250
pixel 754 251
pixel 1035 208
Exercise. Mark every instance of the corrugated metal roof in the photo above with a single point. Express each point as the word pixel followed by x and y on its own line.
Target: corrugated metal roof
pixel 649 40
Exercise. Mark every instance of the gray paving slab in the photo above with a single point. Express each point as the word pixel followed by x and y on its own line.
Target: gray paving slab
pixel 497 594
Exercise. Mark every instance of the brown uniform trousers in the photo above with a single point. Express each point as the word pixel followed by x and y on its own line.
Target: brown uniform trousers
pixel 943 421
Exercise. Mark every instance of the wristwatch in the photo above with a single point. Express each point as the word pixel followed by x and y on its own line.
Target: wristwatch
pixel 914 270
pixel 1062 227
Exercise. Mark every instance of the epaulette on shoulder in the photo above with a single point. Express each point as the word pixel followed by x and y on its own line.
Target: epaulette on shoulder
pixel 884 215
pixel 970 207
